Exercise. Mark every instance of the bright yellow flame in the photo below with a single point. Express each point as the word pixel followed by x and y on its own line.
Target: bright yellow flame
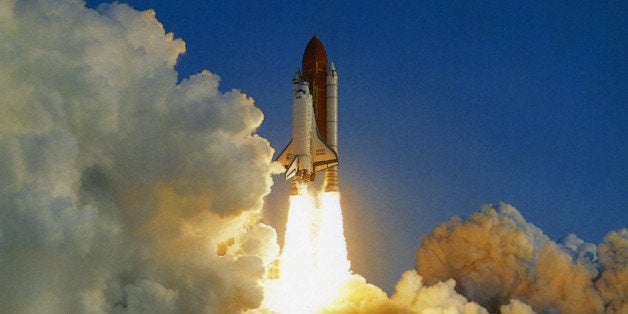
pixel 331 252
pixel 314 261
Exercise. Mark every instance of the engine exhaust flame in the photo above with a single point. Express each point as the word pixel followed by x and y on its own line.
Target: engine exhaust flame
pixel 314 261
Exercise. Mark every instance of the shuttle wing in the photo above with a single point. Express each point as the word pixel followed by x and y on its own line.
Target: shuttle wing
pixel 323 156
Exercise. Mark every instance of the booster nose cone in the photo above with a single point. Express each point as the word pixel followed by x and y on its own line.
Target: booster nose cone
pixel 332 68
pixel 297 76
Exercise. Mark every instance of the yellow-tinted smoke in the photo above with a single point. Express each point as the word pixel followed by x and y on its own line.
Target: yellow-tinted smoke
pixel 495 257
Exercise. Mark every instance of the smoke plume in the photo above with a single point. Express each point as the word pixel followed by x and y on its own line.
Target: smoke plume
pixel 124 191
pixel 411 296
pixel 119 185
pixel 495 256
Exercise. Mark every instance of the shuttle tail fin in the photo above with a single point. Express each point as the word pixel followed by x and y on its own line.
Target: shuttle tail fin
pixel 292 168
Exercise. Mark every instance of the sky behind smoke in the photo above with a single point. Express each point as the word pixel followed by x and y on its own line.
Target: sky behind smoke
pixel 127 186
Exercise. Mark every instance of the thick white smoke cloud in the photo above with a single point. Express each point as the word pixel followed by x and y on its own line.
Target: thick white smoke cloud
pixel 118 185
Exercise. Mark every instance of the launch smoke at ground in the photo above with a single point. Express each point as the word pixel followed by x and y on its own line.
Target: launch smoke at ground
pixel 123 191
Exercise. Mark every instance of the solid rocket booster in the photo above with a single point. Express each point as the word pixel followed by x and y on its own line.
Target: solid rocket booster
pixel 331 174
pixel 314 141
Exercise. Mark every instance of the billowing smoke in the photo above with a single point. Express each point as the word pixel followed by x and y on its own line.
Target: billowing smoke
pixel 612 284
pixel 411 296
pixel 495 256
pixel 496 262
pixel 121 190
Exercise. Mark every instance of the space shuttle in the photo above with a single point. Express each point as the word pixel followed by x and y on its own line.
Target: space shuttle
pixel 314 143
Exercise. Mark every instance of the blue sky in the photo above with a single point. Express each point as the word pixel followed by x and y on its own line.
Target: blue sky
pixel 443 107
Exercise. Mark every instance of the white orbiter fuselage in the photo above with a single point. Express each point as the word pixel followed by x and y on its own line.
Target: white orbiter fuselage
pixel 306 153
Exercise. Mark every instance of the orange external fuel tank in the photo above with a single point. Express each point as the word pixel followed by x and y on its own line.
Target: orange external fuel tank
pixel 314 70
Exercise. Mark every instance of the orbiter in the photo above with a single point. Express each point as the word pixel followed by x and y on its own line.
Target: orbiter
pixel 314 143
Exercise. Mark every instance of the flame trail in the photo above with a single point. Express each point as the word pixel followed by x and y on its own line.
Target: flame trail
pixel 314 260
pixel 331 259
